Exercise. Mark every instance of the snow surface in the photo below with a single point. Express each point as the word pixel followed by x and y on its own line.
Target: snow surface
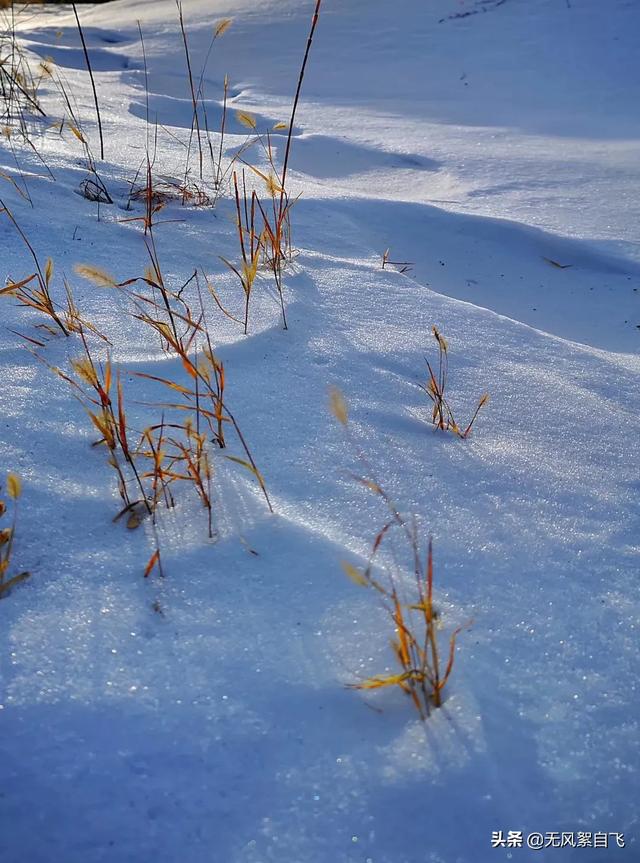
pixel 480 148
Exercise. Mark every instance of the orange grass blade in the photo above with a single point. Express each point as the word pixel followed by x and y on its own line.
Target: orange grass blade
pixel 153 560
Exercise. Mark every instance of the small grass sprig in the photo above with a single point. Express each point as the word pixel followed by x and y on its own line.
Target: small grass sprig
pixel 100 393
pixel 442 416
pixel 194 459
pixel 33 291
pixel 282 213
pixel 198 104
pixel 250 243
pixel 415 643
pixel 276 231
pixel 275 245
pixel 403 266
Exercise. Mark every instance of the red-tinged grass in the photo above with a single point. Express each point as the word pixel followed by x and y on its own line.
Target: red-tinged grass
pixel 7 537
pixel 276 233
pixel 153 197
pixel 185 336
pixel 177 452
pixel 99 391
pixel 194 459
pixel 442 416
pixel 166 190
pixel 273 245
pixel 424 672
pixel 154 560
pixel 280 233
pixel 415 644
pixel 205 399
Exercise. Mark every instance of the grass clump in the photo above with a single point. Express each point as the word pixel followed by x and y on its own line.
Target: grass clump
pixel 271 242
pixel 99 390
pixel 177 450
pixel 7 536
pixel 442 416
pixel 425 666
pixel 250 244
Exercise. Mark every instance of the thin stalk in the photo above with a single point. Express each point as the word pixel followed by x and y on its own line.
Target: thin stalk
pixel 314 22
pixel 194 98
pixel 222 130
pixel 93 83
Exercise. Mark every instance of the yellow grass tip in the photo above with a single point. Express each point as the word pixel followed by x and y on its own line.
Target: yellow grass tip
pixel 442 342
pixel 338 406
pixel 14 486
pixel 273 187
pixel 77 133
pixel 95 275
pixel 246 119
pixel 354 574
pixel 222 27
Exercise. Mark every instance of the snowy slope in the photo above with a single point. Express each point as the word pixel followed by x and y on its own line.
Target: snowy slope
pixel 480 148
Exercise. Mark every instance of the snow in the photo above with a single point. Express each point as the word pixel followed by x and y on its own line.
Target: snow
pixel 481 149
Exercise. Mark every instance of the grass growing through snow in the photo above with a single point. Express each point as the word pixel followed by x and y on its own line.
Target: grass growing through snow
pixel 274 238
pixel 425 666
pixel 100 393
pixel 7 537
pixel 148 463
pixel 34 292
pixel 184 335
pixel 435 387
pixel 250 243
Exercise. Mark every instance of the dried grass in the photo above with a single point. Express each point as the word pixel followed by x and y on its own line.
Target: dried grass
pixel 7 536
pixel 412 613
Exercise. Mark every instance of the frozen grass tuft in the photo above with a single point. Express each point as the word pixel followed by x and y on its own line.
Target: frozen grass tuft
pixel 425 665
pixel 435 387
